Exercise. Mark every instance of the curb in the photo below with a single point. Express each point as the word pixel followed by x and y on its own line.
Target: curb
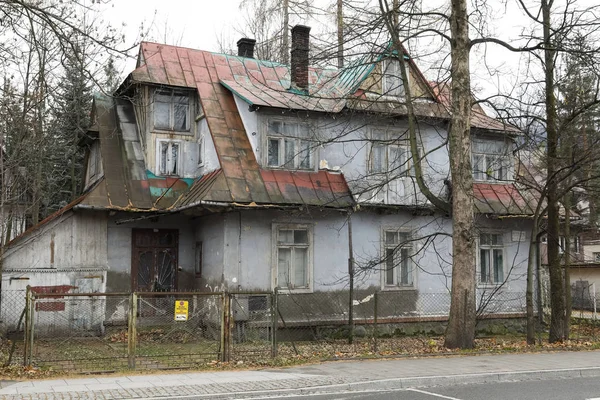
pixel 404 383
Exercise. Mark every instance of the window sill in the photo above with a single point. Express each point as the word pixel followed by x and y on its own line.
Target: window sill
pixel 294 291
pixel 172 132
pixel 495 181
pixel 489 285
pixel 291 169
pixel 398 288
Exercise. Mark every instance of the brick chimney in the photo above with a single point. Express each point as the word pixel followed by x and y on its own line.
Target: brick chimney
pixel 246 47
pixel 299 64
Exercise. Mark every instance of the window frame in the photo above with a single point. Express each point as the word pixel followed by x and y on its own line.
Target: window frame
pixel 406 167
pixel 276 227
pixel 502 159
pixel 596 256
pixel 490 268
pixel 172 92
pixel 158 150
pixel 282 138
pixel 574 242
pixel 94 167
pixel 411 264
pixel 386 90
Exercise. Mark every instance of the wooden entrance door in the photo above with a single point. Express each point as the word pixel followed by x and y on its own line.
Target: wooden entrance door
pixel 154 260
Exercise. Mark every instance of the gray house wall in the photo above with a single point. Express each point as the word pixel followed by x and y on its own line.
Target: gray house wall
pixel 119 249
pixel 239 254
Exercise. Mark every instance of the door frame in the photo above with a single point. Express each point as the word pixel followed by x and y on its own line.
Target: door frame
pixel 135 265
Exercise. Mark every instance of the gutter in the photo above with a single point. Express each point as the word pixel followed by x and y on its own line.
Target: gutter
pixel 249 206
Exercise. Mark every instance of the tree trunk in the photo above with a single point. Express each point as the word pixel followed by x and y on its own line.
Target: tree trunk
pixel 557 299
pixel 340 34
pixel 285 32
pixel 567 264
pixel 461 323
pixel 529 293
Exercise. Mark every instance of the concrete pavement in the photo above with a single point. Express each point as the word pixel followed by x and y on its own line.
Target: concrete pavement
pixel 319 378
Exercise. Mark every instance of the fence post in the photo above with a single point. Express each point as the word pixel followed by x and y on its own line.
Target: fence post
pixel 27 348
pixel 132 331
pixel 375 300
pixel 274 308
pixel 225 327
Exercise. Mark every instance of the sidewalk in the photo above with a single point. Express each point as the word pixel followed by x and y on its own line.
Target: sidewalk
pixel 337 375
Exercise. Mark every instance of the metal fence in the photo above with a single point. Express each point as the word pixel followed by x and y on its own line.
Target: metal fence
pixel 163 330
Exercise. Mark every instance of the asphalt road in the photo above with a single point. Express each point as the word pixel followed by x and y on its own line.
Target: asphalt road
pixel 558 389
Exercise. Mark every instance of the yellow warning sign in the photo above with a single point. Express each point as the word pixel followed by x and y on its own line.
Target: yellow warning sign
pixel 181 310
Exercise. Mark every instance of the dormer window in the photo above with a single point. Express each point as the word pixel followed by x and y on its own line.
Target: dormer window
pixel 390 154
pixel 288 145
pixel 172 110
pixel 168 157
pixel 491 160
pixel 392 83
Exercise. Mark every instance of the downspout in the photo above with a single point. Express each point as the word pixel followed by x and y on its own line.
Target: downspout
pixel 351 281
pixel 239 273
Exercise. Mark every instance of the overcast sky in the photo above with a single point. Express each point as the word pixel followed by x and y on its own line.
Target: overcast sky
pixel 202 24
pixel 191 23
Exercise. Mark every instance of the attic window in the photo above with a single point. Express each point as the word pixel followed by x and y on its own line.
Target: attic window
pixel 289 145
pixel 172 110
pixel 392 83
pixel 390 154
pixel 491 160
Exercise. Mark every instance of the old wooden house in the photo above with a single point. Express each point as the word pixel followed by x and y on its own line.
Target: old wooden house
pixel 209 171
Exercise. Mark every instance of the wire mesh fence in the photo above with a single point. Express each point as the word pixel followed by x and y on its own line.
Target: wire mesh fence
pixel 74 332
pixel 252 326
pixel 175 330
pixel 163 330
pixel 12 326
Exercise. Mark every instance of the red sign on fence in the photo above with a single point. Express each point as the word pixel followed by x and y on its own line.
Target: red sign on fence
pixel 50 305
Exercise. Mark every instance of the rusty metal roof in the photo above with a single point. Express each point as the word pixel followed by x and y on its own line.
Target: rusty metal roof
pixel 266 83
pixel 479 119
pixel 501 199
pixel 126 184
pixel 323 189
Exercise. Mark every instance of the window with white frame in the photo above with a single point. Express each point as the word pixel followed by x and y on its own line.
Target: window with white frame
pixel 392 83
pixel 562 244
pixel 491 258
pixel 491 160
pixel 398 266
pixel 168 157
pixel 596 257
pixel 293 255
pixel 390 153
pixel 289 145
pixel 172 110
